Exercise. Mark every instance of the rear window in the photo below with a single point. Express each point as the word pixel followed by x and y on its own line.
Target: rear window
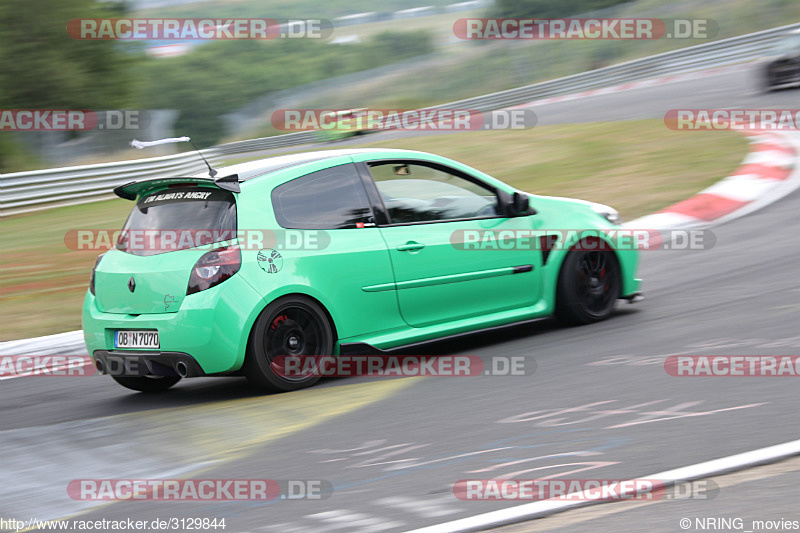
pixel 177 219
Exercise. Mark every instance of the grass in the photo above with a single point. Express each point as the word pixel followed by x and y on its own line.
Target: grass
pixel 637 167
pixel 42 283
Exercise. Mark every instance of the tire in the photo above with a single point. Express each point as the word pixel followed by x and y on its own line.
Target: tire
pixel 293 326
pixel 146 383
pixel 588 286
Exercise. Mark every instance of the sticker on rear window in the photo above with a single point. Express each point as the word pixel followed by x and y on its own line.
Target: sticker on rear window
pixel 185 195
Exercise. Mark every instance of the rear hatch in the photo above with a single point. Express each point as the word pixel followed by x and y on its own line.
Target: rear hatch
pixel 168 230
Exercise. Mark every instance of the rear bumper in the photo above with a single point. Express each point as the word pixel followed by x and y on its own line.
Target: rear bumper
pixel 123 363
pixel 211 329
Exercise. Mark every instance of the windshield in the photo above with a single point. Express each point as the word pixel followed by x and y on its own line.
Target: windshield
pixel 177 219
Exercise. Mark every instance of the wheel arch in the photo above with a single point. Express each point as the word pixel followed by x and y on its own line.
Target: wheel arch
pixel 266 303
pixel 556 259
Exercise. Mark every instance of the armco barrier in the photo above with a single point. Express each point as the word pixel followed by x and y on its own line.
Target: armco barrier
pixel 29 191
pixel 21 192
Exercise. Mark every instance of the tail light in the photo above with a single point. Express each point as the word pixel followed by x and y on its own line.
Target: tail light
pixel 213 268
pixel 91 278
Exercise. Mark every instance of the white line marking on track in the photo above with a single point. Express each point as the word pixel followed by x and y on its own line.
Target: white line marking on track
pixel 426 508
pixel 532 510
pixel 356 522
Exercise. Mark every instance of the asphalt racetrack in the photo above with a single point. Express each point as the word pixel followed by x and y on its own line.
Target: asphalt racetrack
pixel 600 404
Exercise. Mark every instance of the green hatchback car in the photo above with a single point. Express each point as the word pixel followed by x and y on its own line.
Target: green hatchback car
pixel 337 252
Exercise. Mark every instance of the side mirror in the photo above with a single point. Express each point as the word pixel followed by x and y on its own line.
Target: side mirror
pixel 520 203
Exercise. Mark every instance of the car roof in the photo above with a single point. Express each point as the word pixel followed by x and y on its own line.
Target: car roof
pixel 260 167
pixel 229 177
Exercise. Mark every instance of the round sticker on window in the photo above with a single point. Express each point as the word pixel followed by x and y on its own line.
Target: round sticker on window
pixel 270 261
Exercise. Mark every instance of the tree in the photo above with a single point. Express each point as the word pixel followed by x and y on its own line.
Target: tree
pixel 42 67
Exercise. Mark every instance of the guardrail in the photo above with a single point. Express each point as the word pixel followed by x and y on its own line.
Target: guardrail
pixel 22 192
pixel 41 189
pixel 702 56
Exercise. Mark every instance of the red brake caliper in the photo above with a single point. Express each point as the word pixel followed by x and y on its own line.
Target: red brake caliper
pixel 277 322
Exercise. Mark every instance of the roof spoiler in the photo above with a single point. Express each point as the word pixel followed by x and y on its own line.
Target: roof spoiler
pixel 130 190
pixel 229 183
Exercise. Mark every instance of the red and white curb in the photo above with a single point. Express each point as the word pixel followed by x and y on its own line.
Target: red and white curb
pixel 529 511
pixel 769 172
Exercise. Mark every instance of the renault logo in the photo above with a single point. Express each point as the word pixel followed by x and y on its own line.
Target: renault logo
pixel 131 284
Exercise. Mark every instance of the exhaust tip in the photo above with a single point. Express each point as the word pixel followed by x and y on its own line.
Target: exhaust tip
pixel 182 369
pixel 98 364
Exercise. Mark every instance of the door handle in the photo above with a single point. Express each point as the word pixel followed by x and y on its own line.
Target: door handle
pixel 410 246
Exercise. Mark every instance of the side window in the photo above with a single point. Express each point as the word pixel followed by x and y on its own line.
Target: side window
pixel 333 198
pixel 415 192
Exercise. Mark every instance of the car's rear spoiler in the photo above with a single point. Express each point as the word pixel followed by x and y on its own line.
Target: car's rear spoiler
pixel 132 189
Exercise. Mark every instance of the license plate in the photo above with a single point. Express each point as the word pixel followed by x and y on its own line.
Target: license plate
pixel 136 339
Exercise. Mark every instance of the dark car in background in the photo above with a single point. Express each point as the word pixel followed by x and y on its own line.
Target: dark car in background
pixel 783 67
